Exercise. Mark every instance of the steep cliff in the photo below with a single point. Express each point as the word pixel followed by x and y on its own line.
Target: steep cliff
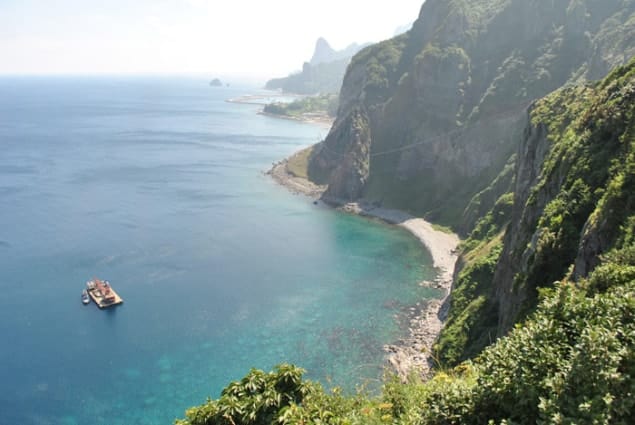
pixel 436 104
pixel 442 121
pixel 572 200
pixel 575 190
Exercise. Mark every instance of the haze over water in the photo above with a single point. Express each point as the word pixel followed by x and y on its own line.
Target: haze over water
pixel 156 185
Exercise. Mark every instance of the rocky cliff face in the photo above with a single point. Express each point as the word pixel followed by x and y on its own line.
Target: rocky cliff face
pixel 571 200
pixel 575 195
pixel 439 101
pixel 443 121
pixel 532 150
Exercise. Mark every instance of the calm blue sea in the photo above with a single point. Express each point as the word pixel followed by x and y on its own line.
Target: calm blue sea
pixel 156 184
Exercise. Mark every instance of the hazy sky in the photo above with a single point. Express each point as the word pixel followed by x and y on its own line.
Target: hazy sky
pixel 246 37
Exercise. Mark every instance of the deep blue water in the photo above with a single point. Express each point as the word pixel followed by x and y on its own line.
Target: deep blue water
pixel 156 185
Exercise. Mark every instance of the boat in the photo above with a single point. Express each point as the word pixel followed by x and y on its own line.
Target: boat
pixel 102 293
pixel 85 297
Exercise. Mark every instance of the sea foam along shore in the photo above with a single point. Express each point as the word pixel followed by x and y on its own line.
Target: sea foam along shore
pixel 411 354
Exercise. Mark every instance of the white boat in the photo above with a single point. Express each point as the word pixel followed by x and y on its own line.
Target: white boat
pixel 85 297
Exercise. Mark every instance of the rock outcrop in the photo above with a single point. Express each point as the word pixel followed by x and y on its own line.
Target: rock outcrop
pixel 324 53
pixel 574 198
pixel 440 100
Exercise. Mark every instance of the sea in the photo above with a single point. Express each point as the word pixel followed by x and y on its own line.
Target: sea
pixel 157 184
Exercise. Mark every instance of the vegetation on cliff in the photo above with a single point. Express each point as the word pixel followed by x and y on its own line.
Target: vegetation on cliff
pixel 578 205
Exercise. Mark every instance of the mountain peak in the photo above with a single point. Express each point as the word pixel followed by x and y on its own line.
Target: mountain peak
pixel 323 52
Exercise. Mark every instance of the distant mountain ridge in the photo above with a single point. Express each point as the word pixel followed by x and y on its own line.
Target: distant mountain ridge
pixel 322 74
pixel 324 53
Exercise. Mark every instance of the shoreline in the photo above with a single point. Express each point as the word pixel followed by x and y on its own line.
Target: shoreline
pixel 308 118
pixel 413 352
pixel 321 119
pixel 257 99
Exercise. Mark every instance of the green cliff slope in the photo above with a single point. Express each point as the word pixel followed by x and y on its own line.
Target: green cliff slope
pixel 424 119
pixel 572 201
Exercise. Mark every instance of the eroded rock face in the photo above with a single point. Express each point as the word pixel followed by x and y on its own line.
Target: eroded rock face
pixel 575 191
pixel 438 103
pixel 520 238
pixel 349 176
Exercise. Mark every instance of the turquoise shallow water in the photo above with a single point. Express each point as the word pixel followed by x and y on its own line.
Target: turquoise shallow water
pixel 156 185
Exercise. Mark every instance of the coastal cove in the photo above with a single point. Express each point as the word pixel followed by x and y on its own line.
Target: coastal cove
pixel 157 185
pixel 412 353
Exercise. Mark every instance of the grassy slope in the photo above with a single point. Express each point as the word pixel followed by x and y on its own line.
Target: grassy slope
pixel 297 164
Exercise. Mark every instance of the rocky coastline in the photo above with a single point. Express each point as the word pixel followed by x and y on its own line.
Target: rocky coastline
pixel 411 354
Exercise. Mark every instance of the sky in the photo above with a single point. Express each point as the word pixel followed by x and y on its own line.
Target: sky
pixel 250 38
